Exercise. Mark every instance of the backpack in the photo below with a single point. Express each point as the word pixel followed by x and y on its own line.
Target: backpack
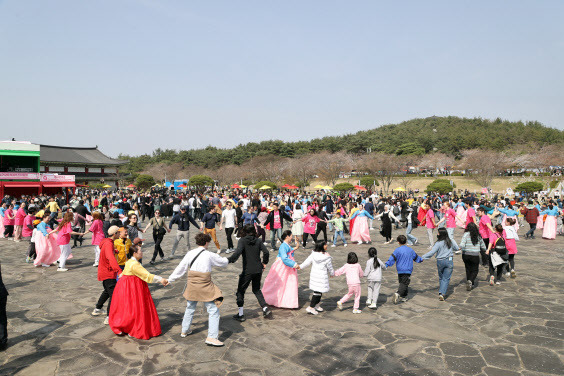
pixel 501 248
pixel 396 210
pixel 414 221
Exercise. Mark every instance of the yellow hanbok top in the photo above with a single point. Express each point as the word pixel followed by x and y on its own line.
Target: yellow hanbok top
pixel 133 267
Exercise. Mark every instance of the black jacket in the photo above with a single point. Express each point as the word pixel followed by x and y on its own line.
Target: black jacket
pixel 270 219
pixel 250 247
pixel 4 292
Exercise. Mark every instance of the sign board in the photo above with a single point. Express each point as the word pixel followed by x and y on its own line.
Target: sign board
pixel 19 176
pixel 35 176
pixel 57 178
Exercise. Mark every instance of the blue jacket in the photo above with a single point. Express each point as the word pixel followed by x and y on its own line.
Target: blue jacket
pixel 403 257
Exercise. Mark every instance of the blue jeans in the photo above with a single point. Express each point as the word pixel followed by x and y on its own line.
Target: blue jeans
pixel 337 234
pixel 450 231
pixel 329 224
pixel 444 267
pixel 273 235
pixel 438 217
pixel 410 238
pixel 213 320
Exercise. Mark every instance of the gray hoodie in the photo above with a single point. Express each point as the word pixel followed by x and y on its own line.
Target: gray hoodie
pixel 372 274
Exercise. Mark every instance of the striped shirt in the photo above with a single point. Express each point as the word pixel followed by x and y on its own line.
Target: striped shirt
pixel 468 248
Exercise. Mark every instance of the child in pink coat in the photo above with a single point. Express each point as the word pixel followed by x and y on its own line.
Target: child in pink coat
pixel 353 271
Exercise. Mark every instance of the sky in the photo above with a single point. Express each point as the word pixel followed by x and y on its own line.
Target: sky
pixel 134 75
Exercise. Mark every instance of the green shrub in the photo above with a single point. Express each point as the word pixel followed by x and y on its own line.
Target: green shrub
pixel 343 187
pixel 441 186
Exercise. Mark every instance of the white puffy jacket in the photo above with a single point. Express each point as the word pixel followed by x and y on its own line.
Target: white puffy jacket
pixel 321 266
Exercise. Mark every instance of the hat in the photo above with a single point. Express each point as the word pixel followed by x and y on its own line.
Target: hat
pixel 112 230
pixel 137 241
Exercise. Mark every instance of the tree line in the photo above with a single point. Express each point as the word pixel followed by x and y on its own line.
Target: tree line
pixel 448 135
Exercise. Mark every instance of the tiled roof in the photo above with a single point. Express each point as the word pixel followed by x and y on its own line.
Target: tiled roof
pixel 85 156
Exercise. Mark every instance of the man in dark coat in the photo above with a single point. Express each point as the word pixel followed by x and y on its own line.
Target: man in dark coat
pixel 3 317
pixel 250 247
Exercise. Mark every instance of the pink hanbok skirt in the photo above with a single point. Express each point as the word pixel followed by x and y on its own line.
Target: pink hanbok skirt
pixel 550 225
pixel 280 287
pixel 48 251
pixel 360 231
pixel 461 212
pixel 511 246
pixel 1 229
pixel 540 221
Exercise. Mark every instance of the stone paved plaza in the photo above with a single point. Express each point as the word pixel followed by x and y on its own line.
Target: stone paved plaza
pixel 513 329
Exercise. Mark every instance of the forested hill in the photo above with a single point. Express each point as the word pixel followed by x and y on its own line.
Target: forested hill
pixel 448 135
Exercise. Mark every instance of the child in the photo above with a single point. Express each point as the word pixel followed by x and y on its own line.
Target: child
pixel 318 279
pixel 497 250
pixel 31 254
pixel 403 256
pixel 511 237
pixel 373 273
pixel 339 223
pixel 354 272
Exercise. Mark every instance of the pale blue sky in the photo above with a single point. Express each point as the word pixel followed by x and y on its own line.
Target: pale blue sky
pixel 134 75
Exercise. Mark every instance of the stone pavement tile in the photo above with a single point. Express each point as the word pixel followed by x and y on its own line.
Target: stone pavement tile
pixel 406 348
pixel 492 371
pixel 535 340
pixel 382 361
pixel 250 358
pixel 319 363
pixel 384 337
pixel 213 368
pixel 502 357
pixel 538 359
pixel 41 368
pixel 543 331
pixel 458 349
pixel 419 361
pixel 287 368
pixel 246 372
pixel 466 365
pixel 81 362
pixel 555 324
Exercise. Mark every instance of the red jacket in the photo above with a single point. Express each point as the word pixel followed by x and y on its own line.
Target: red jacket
pixel 108 267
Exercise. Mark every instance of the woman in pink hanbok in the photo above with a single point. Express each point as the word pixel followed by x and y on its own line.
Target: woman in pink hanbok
pixel 360 232
pixel 461 216
pixel 551 222
pixel 280 288
pixel 45 246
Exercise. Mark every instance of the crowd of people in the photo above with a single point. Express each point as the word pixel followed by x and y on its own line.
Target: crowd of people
pixel 50 224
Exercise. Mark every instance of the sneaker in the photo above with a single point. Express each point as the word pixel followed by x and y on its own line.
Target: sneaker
pixel 457 252
pixel 45 265
pixel 441 297
pixel 163 259
pixel 267 313
pixel 396 298
pixel 213 342
pixel 95 264
pixel 97 312
pixel 107 321
pixel 333 245
pixel 311 311
pixel 152 262
pixel 513 274
pixel 416 242
pixel 345 244
pixel 492 279
pixel 372 306
pixel 218 251
pixel 27 259
pixel 403 300
pixel 340 306
pixel 468 285
pixel 318 308
pixel 239 318
pixel 357 311
pixel 230 250
pixel 62 269
pixel 507 275
pixel 183 335
pixel 368 301
pixel 359 242
pixel 498 283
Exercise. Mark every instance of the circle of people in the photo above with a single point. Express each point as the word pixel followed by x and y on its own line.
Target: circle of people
pixel 114 220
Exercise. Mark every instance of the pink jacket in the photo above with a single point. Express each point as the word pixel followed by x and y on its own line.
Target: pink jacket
pixel 353 272
pixel 97 232
pixel 310 223
pixel 20 215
